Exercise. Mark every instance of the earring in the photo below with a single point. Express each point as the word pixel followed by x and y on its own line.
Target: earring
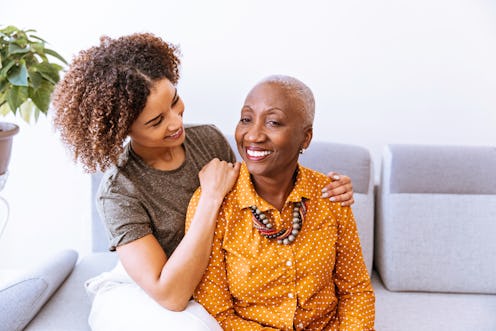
pixel 302 151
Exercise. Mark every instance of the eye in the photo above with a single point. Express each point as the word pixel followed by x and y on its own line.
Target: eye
pixel 273 123
pixel 175 101
pixel 245 120
pixel 158 121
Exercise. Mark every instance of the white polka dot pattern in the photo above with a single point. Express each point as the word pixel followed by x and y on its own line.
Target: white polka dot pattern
pixel 319 282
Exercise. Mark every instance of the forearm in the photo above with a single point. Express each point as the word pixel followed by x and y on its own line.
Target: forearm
pixel 185 267
pixel 357 312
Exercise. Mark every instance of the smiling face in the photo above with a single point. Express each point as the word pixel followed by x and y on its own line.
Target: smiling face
pixel 160 124
pixel 272 130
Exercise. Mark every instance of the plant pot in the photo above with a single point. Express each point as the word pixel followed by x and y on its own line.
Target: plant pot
pixel 7 132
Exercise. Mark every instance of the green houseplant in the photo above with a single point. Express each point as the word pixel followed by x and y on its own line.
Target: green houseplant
pixel 27 79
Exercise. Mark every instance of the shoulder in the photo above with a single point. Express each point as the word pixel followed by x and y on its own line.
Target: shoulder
pixel 208 140
pixel 116 181
pixel 312 181
pixel 315 175
pixel 204 131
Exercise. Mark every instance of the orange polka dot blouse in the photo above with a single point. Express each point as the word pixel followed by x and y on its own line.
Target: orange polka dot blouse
pixel 318 282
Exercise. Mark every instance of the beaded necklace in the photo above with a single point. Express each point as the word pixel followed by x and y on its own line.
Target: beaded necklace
pixel 284 236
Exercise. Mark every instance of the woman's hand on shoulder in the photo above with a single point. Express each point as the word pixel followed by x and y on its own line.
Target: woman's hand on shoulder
pixel 218 177
pixel 339 190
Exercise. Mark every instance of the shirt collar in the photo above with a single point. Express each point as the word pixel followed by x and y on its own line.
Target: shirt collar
pixel 303 189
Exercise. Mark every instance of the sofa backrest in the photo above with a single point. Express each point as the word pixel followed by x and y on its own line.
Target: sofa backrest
pixel 351 160
pixel 436 219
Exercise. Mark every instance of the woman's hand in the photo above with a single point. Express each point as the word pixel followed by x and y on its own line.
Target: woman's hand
pixel 218 177
pixel 339 190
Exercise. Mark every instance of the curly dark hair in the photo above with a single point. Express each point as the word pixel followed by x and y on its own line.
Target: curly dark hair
pixel 105 90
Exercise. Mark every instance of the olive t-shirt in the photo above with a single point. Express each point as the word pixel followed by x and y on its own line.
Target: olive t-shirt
pixel 135 199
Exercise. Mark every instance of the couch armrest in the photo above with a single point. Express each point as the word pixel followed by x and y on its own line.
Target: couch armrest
pixel 435 219
pixel 22 297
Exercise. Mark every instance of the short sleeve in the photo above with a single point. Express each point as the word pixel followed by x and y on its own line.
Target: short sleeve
pixel 124 216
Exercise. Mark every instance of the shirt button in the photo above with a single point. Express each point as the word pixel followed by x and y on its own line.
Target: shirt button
pixel 289 263
pixel 290 295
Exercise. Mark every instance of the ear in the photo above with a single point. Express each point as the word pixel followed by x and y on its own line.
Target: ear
pixel 308 136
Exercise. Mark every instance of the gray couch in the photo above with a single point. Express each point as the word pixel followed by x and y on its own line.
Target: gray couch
pixel 426 229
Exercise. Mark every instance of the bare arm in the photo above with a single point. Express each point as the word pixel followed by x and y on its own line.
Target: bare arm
pixel 171 281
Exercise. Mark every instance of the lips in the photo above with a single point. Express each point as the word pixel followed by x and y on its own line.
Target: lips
pixel 175 135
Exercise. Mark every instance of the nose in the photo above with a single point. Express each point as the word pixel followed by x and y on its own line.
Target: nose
pixel 175 120
pixel 255 133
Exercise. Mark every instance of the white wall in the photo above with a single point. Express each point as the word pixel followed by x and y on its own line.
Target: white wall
pixel 382 72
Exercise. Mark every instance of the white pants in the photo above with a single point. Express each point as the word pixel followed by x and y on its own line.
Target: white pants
pixel 120 304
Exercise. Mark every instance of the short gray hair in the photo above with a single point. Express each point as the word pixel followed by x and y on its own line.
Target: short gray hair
pixel 297 88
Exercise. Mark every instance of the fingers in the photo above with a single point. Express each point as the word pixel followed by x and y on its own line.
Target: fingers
pixel 233 168
pixel 230 165
pixel 333 175
pixel 345 198
pixel 339 190
pixel 237 166
pixel 219 171
pixel 337 193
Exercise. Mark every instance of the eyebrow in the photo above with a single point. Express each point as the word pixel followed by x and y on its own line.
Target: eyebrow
pixel 174 101
pixel 153 119
pixel 175 98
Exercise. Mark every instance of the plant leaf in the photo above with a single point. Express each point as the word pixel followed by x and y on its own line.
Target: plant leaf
pixel 35 37
pixel 18 76
pixel 55 54
pixel 41 96
pixel 16 49
pixel 37 112
pixel 6 68
pixel 4 109
pixel 38 48
pixel 16 97
pixel 36 79
pixel 26 110
pixel 9 29
pixel 3 86
pixel 49 71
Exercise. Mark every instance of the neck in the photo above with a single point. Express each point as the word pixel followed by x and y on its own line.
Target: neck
pixel 161 158
pixel 275 190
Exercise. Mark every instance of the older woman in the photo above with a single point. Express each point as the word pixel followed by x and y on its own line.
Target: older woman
pixel 283 258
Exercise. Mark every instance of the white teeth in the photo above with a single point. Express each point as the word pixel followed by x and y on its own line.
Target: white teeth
pixel 257 153
pixel 175 134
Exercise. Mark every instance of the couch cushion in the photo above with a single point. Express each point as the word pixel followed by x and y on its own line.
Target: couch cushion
pixel 414 311
pixel 22 297
pixel 437 233
pixel 69 308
